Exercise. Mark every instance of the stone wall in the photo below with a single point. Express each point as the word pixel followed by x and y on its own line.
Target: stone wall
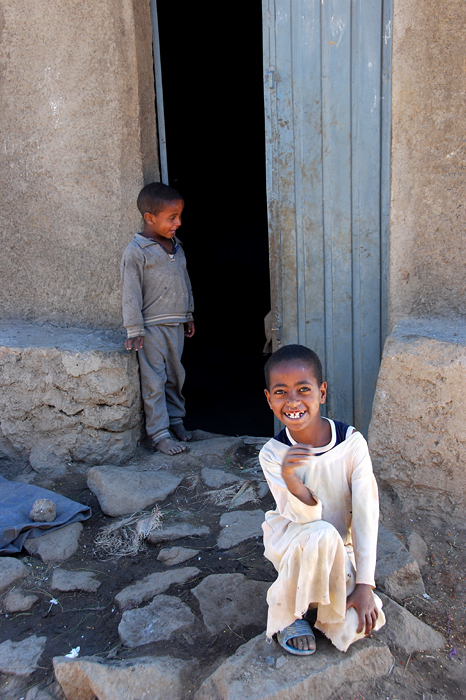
pixel 67 395
pixel 78 142
pixel 417 434
pixel 428 168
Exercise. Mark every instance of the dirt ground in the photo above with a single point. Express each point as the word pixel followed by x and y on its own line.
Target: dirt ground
pixel 91 620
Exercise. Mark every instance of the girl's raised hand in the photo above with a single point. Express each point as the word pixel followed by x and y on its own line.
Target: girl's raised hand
pixel 295 457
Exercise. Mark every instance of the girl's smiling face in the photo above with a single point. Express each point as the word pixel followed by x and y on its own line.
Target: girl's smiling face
pixel 295 397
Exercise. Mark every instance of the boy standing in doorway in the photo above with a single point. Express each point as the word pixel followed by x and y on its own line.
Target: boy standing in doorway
pixel 158 313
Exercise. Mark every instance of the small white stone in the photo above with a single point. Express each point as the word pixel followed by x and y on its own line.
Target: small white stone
pixel 281 661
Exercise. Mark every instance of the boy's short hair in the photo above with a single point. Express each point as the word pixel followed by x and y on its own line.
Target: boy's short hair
pixel 155 197
pixel 293 353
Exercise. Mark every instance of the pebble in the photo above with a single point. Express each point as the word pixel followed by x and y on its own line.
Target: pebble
pixel 43 511
pixel 281 661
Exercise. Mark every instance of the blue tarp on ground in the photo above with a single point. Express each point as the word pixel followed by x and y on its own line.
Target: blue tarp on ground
pixel 16 501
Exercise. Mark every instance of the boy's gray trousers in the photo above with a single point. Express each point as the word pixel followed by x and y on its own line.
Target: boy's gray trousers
pixel 162 378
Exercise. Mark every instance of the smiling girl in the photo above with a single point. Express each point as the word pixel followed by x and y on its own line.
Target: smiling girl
pixel 322 537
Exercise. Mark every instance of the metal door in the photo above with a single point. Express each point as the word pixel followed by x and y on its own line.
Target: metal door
pixel 327 113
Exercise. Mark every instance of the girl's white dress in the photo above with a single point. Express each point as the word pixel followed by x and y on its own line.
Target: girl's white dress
pixel 322 551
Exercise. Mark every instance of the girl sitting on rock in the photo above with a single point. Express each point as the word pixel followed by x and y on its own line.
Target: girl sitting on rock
pixel 322 537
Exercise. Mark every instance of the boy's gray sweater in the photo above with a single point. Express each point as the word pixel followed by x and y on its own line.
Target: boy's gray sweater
pixel 156 286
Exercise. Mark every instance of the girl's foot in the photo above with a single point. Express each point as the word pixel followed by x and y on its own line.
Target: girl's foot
pixel 169 446
pixel 180 432
pixel 305 643
pixel 298 638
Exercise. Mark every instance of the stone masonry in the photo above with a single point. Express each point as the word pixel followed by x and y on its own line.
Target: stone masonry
pixel 417 435
pixel 67 395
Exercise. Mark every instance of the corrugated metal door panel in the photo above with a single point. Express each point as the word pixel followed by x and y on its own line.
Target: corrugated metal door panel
pixel 327 135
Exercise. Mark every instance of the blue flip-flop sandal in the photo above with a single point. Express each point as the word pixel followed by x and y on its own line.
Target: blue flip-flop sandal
pixel 299 628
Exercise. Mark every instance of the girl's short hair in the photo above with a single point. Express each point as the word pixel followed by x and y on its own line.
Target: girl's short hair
pixel 293 353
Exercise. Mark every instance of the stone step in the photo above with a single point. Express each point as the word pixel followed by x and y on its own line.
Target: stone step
pixel 162 678
pixel 262 671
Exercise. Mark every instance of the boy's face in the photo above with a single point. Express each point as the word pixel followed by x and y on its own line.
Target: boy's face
pixel 295 396
pixel 165 223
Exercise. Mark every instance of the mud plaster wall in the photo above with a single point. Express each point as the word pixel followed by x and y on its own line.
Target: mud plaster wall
pixel 77 143
pixel 428 184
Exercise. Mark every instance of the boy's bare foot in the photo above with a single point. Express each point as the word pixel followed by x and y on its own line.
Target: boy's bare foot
pixel 181 432
pixel 170 447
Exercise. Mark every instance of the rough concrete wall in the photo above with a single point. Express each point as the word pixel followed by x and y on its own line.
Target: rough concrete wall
pixel 428 216
pixel 417 435
pixel 78 140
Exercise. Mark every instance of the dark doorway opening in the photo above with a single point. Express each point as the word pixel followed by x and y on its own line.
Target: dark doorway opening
pixel 211 58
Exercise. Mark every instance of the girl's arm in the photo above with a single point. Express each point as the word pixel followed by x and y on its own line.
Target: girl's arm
pixel 365 506
pixel 294 500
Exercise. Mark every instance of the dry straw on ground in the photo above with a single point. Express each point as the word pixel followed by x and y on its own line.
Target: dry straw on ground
pixel 126 537
pixel 231 496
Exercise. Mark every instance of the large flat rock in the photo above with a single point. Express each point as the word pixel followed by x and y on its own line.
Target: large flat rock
pixel 45 691
pixel 417 548
pixel 261 671
pixel 143 678
pixel 239 526
pixel 67 395
pixel 18 601
pixel 57 545
pixel 86 581
pixel 218 478
pixel 176 555
pixel 156 622
pixel 417 435
pixel 397 573
pixel 152 585
pixel 11 570
pixel 178 531
pixel 123 490
pixel 404 631
pixel 213 452
pixel 21 658
pixel 232 601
